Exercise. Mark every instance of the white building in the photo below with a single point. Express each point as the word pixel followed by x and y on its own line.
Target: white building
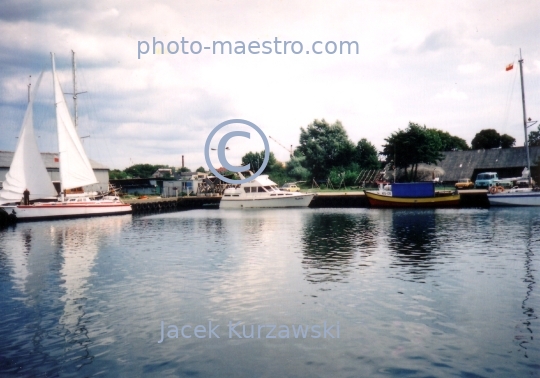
pixel 52 165
pixel 187 182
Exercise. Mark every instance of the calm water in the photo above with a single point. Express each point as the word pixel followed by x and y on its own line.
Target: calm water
pixel 415 293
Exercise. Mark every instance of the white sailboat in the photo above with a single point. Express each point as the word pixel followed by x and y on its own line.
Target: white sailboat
pixel 28 174
pixel 518 196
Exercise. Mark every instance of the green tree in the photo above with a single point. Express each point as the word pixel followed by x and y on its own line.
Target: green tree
pixel 534 137
pixel 184 169
pixel 256 159
pixel 116 174
pixel 412 146
pixel 201 169
pixel 366 155
pixel 486 139
pixel 490 138
pixel 143 170
pixel 325 146
pixel 296 170
pixel 451 142
pixel 507 141
pixel 344 176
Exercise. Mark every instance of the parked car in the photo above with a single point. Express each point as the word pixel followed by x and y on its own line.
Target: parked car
pixel 290 187
pixel 486 180
pixel 464 184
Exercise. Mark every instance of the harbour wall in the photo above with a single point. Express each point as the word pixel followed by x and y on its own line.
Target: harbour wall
pixel 469 199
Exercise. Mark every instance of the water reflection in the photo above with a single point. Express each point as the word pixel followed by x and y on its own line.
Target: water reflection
pixel 19 260
pixel 331 242
pixel 51 264
pixel 81 298
pixel 412 240
pixel 525 334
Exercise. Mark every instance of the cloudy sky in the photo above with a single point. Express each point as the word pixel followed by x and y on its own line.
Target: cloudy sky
pixel 438 63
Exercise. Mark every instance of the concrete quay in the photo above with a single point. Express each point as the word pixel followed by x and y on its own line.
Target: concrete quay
pixel 469 198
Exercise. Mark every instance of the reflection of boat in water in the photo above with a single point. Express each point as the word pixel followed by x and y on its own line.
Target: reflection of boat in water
pixel 412 195
pixel 50 309
pixel 28 177
pixel 518 196
pixel 262 192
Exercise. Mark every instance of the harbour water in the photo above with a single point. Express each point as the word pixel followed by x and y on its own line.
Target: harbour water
pixel 392 293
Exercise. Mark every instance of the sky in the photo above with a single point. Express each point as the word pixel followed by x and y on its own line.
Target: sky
pixel 435 63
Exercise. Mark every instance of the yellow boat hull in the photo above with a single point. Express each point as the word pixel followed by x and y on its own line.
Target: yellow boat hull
pixel 378 200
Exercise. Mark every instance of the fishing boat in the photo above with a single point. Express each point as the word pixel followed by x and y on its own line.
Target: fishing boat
pixel 28 192
pixel 262 192
pixel 411 195
pixel 518 196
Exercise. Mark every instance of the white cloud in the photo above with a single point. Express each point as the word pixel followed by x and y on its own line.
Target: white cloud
pixel 452 95
pixel 469 68
pixel 438 64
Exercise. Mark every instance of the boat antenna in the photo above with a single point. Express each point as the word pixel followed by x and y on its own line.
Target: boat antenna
pixel 29 85
pixel 75 93
pixel 524 117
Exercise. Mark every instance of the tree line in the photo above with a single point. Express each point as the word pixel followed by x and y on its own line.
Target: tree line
pixel 145 171
pixel 325 152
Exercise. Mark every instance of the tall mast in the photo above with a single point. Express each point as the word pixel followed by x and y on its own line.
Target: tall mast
pixel 74 87
pixel 29 85
pixel 524 116
pixel 75 93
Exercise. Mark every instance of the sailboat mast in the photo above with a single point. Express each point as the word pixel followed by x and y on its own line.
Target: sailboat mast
pixel 29 85
pixel 74 88
pixel 524 116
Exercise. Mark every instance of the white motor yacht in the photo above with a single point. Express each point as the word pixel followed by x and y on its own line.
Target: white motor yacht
pixel 262 193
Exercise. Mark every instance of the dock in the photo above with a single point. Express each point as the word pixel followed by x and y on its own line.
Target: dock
pixel 473 198
pixel 151 205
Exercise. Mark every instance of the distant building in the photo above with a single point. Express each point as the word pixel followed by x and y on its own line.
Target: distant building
pixel 507 162
pixel 186 182
pixel 163 172
pixel 53 167
pixel 139 186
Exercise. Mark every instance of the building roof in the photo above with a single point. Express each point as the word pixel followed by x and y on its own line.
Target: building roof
pixel 461 164
pixel 6 157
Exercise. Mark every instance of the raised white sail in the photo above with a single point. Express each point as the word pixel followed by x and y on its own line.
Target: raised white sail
pixel 27 170
pixel 75 168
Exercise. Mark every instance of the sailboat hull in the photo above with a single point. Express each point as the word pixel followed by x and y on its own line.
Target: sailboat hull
pixel 517 197
pixel 52 210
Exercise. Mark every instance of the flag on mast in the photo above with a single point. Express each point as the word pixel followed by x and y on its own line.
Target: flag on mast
pixel 510 66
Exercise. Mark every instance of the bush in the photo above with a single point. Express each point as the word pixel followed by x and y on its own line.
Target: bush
pixel 347 175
